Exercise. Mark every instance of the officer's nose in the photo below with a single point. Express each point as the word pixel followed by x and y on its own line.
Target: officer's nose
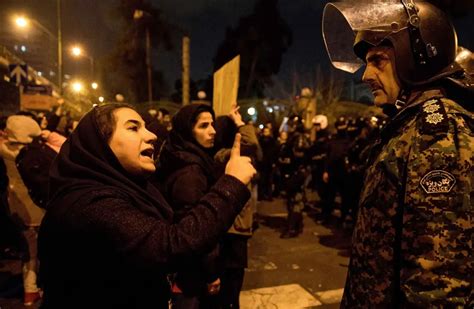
pixel 368 75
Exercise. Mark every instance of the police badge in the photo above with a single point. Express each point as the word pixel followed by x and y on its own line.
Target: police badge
pixel 438 181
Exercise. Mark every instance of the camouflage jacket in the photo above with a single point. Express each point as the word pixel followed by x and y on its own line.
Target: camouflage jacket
pixel 412 243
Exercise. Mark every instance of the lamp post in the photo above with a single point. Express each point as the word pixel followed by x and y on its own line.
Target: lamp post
pixel 185 70
pixel 139 14
pixel 60 47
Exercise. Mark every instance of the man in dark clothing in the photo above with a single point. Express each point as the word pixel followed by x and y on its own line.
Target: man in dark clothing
pixel 283 163
pixel 355 163
pixel 299 143
pixel 335 174
pixel 317 155
pixel 33 163
pixel 265 167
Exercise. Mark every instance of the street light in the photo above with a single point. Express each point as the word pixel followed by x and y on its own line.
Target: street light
pixel 77 86
pixel 139 14
pixel 94 85
pixel 77 52
pixel 23 22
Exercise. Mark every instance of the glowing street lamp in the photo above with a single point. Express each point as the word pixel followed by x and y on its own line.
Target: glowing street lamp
pixel 94 85
pixel 21 21
pixel 101 99
pixel 77 86
pixel 77 52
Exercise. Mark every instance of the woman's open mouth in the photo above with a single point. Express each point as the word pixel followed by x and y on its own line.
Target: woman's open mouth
pixel 148 153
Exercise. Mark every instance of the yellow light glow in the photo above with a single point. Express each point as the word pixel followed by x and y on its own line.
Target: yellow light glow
pixel 76 51
pixel 94 85
pixel 21 21
pixel 101 99
pixel 77 86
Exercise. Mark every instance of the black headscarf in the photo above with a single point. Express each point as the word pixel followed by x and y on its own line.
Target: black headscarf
pixel 86 163
pixel 181 148
pixel 185 119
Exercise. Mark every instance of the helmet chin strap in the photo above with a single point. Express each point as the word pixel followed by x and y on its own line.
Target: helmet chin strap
pixel 401 100
pixel 391 109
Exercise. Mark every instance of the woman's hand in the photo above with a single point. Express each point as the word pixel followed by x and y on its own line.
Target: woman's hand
pixel 238 166
pixel 235 115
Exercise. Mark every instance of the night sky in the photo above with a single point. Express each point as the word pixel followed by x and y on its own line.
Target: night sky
pixel 91 23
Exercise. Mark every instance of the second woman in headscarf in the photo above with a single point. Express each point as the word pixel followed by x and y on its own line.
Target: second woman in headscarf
pixel 187 172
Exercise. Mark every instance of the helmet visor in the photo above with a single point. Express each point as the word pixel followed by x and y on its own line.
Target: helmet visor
pixel 347 23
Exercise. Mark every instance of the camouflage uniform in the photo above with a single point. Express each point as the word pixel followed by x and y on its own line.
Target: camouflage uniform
pixel 412 244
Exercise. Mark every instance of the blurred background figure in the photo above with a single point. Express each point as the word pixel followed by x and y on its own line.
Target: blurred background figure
pixel 294 187
pixel 335 174
pixel 21 131
pixel 265 167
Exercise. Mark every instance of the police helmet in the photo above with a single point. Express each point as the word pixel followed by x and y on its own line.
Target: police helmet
pixel 423 38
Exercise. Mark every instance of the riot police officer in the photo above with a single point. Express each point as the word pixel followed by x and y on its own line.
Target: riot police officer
pixel 355 161
pixel 299 143
pixel 335 173
pixel 318 153
pixel 412 241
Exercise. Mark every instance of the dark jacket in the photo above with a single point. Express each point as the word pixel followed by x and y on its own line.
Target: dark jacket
pixel 184 185
pixel 269 146
pixel 33 163
pixel 188 172
pixel 108 239
pixel 337 151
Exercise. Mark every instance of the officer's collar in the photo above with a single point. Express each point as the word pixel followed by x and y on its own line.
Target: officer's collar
pixel 415 99
pixel 410 98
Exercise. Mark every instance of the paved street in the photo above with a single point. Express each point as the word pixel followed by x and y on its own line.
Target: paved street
pixel 308 271
pixel 304 272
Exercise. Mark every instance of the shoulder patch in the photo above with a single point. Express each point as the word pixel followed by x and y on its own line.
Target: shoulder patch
pixel 434 118
pixel 438 181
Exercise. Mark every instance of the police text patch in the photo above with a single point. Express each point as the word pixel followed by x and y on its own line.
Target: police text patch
pixel 437 181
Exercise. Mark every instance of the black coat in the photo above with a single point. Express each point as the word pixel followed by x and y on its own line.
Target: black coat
pixel 187 173
pixel 33 163
pixel 108 240
pixel 101 252
pixel 269 149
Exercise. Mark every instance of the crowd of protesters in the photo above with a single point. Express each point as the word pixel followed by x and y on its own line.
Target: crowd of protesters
pixel 131 199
